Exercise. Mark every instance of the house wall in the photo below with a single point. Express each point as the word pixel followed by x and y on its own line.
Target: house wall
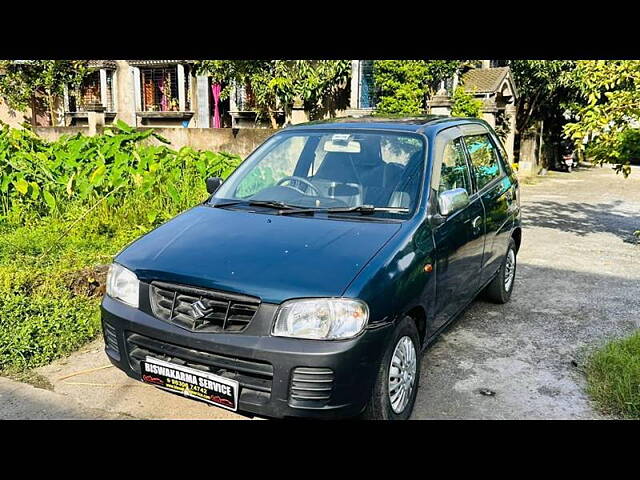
pixel 238 141
pixel 12 117
pixel 241 141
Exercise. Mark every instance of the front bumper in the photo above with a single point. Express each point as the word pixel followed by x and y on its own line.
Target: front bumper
pixel 276 375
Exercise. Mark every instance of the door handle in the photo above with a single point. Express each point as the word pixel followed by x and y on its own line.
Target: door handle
pixel 475 222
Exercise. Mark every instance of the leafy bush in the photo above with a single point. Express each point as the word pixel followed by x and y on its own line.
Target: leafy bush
pixel 109 189
pixel 402 86
pixel 41 176
pixel 464 104
pixel 613 375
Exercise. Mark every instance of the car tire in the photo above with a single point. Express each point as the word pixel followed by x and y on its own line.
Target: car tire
pixel 380 406
pixel 499 290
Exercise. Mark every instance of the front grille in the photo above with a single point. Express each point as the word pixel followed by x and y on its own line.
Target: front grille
pixel 218 312
pixel 111 338
pixel 310 387
pixel 255 377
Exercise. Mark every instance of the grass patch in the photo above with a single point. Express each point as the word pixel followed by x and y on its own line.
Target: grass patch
pixel 51 287
pixel 613 376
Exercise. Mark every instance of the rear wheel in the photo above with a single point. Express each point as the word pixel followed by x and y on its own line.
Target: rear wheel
pixel 500 288
pixel 394 393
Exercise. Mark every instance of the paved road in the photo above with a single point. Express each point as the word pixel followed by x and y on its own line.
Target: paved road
pixel 577 284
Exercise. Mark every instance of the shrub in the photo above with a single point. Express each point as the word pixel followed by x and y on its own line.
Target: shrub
pixel 464 104
pixel 110 189
pixel 402 86
pixel 41 177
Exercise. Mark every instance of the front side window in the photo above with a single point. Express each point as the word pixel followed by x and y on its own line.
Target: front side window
pixel 484 158
pixel 332 169
pixel 278 164
pixel 454 172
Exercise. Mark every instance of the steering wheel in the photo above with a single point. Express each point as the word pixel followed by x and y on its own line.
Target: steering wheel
pixel 310 185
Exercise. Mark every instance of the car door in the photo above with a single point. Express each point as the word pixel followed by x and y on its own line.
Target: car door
pixel 495 189
pixel 459 237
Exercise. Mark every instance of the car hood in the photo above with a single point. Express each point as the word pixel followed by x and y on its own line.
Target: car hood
pixel 273 257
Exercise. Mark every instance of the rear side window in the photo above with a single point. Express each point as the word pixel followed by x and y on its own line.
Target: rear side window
pixel 454 172
pixel 484 158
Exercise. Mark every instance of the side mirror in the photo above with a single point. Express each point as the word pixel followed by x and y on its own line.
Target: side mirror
pixel 213 184
pixel 451 201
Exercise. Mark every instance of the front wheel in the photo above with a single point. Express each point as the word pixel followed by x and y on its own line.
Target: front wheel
pixel 394 393
pixel 501 287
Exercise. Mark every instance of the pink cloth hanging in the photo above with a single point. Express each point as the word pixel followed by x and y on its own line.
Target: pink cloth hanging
pixel 163 98
pixel 216 88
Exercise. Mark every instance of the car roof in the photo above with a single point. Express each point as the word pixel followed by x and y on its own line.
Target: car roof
pixel 375 122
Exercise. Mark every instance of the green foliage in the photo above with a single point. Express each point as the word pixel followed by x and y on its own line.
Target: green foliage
pixel 610 105
pixel 621 149
pixel 276 84
pixel 464 104
pixel 39 177
pixel 402 86
pixel 22 81
pixel 545 90
pixel 613 376
pixel 41 316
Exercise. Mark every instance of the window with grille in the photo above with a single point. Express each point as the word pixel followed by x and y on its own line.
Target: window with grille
pixel 160 89
pixel 90 93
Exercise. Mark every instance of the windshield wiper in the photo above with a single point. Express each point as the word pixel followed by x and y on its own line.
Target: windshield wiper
pixel 361 209
pixel 271 203
pixel 261 203
pixel 223 204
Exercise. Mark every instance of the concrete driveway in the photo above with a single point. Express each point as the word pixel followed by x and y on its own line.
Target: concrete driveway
pixel 577 284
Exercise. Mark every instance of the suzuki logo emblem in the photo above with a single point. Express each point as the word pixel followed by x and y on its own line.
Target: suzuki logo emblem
pixel 200 310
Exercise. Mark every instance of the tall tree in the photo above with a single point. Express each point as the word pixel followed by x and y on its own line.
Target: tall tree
pixel 544 90
pixel 24 80
pixel 609 113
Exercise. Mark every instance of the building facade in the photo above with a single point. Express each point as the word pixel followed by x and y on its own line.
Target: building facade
pixel 169 93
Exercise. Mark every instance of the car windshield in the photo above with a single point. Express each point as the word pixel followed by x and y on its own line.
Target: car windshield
pixel 333 170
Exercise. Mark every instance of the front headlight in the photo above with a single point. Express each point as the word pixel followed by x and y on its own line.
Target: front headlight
pixel 321 318
pixel 123 285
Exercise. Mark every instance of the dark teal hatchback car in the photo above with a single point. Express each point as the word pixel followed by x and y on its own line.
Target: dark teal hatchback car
pixel 311 280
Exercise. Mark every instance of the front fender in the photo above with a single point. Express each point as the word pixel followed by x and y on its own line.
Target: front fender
pixel 395 282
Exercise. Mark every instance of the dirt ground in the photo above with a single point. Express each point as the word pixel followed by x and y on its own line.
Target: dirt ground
pixel 577 284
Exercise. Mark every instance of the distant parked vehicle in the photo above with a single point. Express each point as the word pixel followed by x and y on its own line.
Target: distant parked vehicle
pixel 569 156
pixel 312 279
